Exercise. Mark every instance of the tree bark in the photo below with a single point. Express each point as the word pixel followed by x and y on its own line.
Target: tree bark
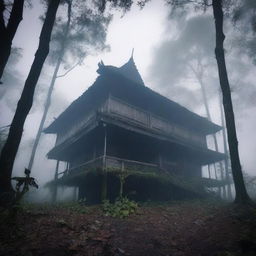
pixel 25 102
pixel 50 90
pixel 229 194
pixel 8 32
pixel 241 193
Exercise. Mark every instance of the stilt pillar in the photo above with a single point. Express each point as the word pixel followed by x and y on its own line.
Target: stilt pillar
pixel 104 167
pixel 55 186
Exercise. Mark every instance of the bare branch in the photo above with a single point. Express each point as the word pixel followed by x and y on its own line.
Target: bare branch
pixel 78 63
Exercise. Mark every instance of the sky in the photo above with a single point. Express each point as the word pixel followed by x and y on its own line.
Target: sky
pixel 159 44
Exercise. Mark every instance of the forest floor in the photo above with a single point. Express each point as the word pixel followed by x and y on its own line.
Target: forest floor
pixel 180 228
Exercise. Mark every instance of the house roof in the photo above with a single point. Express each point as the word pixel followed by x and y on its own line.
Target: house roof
pixel 130 71
pixel 126 83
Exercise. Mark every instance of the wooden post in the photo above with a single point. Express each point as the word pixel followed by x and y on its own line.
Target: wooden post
pixel 121 179
pixel 104 169
pixel 55 187
pixel 209 171
pixel 160 161
pixel 67 167
pixel 75 194
pixel 216 177
pixel 94 152
pixel 108 103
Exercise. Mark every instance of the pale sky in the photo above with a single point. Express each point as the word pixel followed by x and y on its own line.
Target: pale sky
pixel 141 30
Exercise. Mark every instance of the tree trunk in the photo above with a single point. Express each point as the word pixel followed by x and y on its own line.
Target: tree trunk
pixel 25 103
pixel 50 90
pixel 8 32
pixel 241 193
pixel 229 194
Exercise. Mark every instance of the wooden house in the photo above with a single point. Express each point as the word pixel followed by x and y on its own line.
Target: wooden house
pixel 119 125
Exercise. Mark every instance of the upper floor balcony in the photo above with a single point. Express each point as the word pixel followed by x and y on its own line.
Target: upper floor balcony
pixel 134 116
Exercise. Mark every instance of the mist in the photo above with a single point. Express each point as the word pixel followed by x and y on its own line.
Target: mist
pixel 165 67
pixel 134 134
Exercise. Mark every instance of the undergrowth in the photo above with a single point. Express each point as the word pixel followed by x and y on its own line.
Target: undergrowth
pixel 122 208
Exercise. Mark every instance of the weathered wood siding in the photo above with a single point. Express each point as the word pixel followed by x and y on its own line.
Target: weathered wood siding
pixel 123 110
pixel 72 129
pixel 115 107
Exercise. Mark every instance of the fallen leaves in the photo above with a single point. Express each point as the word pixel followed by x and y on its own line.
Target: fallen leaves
pixel 176 230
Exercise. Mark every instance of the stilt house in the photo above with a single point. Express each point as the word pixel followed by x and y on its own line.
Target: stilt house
pixel 120 126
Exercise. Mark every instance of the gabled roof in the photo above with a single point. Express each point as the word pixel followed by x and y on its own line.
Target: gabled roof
pixel 126 83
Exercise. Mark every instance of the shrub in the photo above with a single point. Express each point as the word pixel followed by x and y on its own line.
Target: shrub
pixel 122 208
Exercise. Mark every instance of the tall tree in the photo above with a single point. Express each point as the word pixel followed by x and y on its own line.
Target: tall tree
pixel 83 27
pixel 225 145
pixel 25 103
pixel 8 29
pixel 241 193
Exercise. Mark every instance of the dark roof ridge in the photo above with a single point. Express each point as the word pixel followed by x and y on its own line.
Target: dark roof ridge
pixel 130 71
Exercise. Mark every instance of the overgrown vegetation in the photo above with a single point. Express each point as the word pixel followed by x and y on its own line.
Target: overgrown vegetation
pixel 122 208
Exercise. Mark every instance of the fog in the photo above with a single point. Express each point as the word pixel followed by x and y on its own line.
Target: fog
pixel 165 46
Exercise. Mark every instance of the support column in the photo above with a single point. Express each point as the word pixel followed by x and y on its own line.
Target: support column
pixel 94 152
pixel 55 187
pixel 122 177
pixel 75 194
pixel 209 171
pixel 160 161
pixel 104 169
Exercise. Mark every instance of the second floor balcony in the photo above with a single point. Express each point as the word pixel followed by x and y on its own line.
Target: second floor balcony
pixel 133 116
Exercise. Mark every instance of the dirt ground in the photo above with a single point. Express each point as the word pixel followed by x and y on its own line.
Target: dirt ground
pixel 173 229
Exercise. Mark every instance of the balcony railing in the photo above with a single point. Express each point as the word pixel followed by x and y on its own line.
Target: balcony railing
pixel 133 114
pixel 112 164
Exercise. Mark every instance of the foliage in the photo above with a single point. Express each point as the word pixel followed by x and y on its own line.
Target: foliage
pixel 122 208
pixel 22 186
pixel 85 33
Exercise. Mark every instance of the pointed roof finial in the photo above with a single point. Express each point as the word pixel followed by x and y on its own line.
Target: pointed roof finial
pixel 132 53
pixel 130 70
